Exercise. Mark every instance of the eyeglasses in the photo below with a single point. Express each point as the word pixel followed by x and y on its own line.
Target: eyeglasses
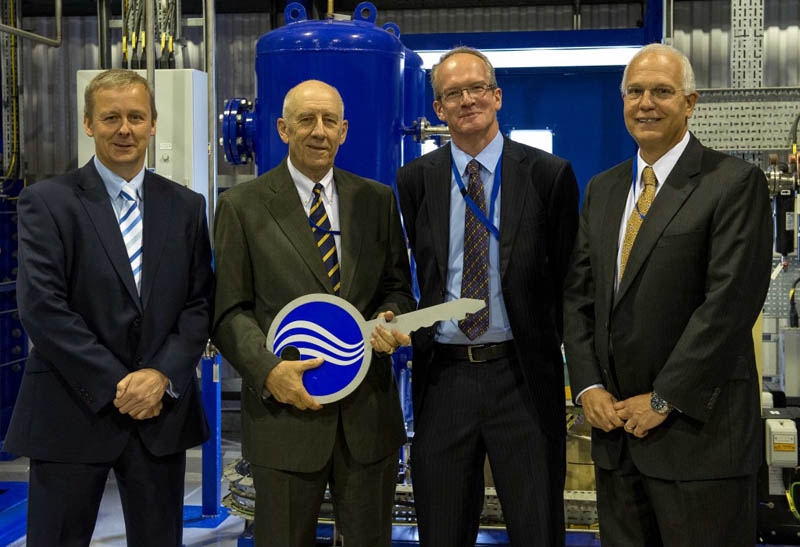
pixel 476 91
pixel 658 93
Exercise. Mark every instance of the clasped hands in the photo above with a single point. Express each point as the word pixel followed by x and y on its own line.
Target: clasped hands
pixel 285 381
pixel 603 411
pixel 140 393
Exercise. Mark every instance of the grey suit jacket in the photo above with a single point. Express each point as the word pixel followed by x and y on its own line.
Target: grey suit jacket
pixel 266 256
pixel 681 320
pixel 538 220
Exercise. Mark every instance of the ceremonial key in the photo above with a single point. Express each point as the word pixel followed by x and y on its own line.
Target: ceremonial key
pixel 323 325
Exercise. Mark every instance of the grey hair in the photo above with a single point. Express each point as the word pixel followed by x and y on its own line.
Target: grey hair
pixel 469 51
pixel 689 85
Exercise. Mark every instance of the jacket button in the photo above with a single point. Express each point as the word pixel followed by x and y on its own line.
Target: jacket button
pixel 138 362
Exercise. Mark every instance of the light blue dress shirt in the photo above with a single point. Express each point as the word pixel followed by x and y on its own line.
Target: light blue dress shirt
pixel 499 328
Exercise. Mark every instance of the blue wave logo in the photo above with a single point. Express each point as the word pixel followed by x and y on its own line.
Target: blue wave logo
pixel 323 329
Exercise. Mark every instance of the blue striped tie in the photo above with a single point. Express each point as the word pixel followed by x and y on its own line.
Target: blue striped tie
pixel 130 224
pixel 324 237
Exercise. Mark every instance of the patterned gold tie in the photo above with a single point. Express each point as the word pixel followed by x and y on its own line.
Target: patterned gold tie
pixel 637 216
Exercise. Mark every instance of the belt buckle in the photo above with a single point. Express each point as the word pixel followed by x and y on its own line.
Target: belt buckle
pixel 469 353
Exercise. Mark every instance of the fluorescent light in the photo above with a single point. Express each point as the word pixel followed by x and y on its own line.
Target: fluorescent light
pixel 547 57
pixel 538 138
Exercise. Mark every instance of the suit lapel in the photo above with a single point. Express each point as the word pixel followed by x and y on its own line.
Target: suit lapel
pixel 351 237
pixel 512 199
pixel 158 204
pixel 93 196
pixel 438 179
pixel 677 188
pixel 281 200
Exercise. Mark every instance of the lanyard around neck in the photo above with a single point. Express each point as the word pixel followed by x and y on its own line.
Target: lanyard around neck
pixel 480 215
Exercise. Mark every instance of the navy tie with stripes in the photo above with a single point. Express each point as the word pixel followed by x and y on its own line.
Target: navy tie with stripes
pixel 324 236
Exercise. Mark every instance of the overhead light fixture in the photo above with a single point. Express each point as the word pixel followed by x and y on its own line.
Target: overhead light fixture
pixel 546 57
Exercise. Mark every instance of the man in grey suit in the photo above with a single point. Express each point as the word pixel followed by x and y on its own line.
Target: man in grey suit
pixel 493 384
pixel 669 273
pixel 266 256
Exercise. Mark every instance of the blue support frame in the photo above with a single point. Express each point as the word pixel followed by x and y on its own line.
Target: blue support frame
pixel 211 514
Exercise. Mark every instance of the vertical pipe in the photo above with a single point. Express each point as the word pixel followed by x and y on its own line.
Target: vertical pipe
pixel 150 58
pixel 212 449
pixel 103 15
pixel 209 33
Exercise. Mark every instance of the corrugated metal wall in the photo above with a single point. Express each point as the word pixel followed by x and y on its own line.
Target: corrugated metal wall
pixel 702 31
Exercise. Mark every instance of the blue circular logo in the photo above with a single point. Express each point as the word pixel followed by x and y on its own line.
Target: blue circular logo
pixel 322 325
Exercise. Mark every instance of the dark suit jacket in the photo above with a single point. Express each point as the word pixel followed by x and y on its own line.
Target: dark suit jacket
pixel 266 256
pixel 681 320
pixel 79 305
pixel 538 220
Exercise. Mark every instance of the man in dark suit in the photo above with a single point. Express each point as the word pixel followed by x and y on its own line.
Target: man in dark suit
pixel 267 256
pixel 669 273
pixel 118 323
pixel 493 384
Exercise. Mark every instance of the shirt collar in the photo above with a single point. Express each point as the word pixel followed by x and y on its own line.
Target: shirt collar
pixel 305 185
pixel 664 165
pixel 487 157
pixel 114 183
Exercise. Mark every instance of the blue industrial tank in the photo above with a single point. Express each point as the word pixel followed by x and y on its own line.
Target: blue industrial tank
pixel 413 102
pixel 363 61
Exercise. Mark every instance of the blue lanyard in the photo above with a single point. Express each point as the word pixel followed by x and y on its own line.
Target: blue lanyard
pixel 493 200
pixel 321 229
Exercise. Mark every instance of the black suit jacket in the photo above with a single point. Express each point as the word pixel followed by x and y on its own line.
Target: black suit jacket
pixel 89 327
pixel 680 321
pixel 266 257
pixel 538 220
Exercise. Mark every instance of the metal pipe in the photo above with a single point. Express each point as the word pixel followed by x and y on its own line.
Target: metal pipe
pixel 54 42
pixel 150 64
pixel 209 33
pixel 104 44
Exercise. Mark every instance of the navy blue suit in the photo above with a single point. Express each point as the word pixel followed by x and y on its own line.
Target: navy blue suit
pixel 79 304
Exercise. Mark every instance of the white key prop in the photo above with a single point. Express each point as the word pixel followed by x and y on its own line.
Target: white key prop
pixel 324 325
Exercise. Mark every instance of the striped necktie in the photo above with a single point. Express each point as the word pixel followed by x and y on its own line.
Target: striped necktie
pixel 637 216
pixel 130 224
pixel 324 237
pixel 475 270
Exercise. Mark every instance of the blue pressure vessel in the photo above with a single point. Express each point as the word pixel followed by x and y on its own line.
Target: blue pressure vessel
pixel 363 61
pixel 413 102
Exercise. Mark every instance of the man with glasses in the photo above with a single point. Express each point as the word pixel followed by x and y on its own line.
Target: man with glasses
pixel 492 219
pixel 670 271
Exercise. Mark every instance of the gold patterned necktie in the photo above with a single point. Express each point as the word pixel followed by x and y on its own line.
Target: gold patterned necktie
pixel 637 216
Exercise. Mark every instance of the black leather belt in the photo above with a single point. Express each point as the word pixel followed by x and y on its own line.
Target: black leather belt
pixel 479 353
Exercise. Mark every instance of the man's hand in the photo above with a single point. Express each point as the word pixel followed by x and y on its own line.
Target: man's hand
pixel 639 416
pixel 598 408
pixel 384 341
pixel 139 393
pixel 285 382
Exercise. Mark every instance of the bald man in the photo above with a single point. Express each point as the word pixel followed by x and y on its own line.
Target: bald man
pixel 266 256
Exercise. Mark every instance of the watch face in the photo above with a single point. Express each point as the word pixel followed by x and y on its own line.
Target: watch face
pixel 658 404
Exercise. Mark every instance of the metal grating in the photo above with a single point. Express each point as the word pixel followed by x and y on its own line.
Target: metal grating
pixel 747 43
pixel 751 119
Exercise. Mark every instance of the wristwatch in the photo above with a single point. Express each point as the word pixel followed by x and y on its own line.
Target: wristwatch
pixel 659 405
